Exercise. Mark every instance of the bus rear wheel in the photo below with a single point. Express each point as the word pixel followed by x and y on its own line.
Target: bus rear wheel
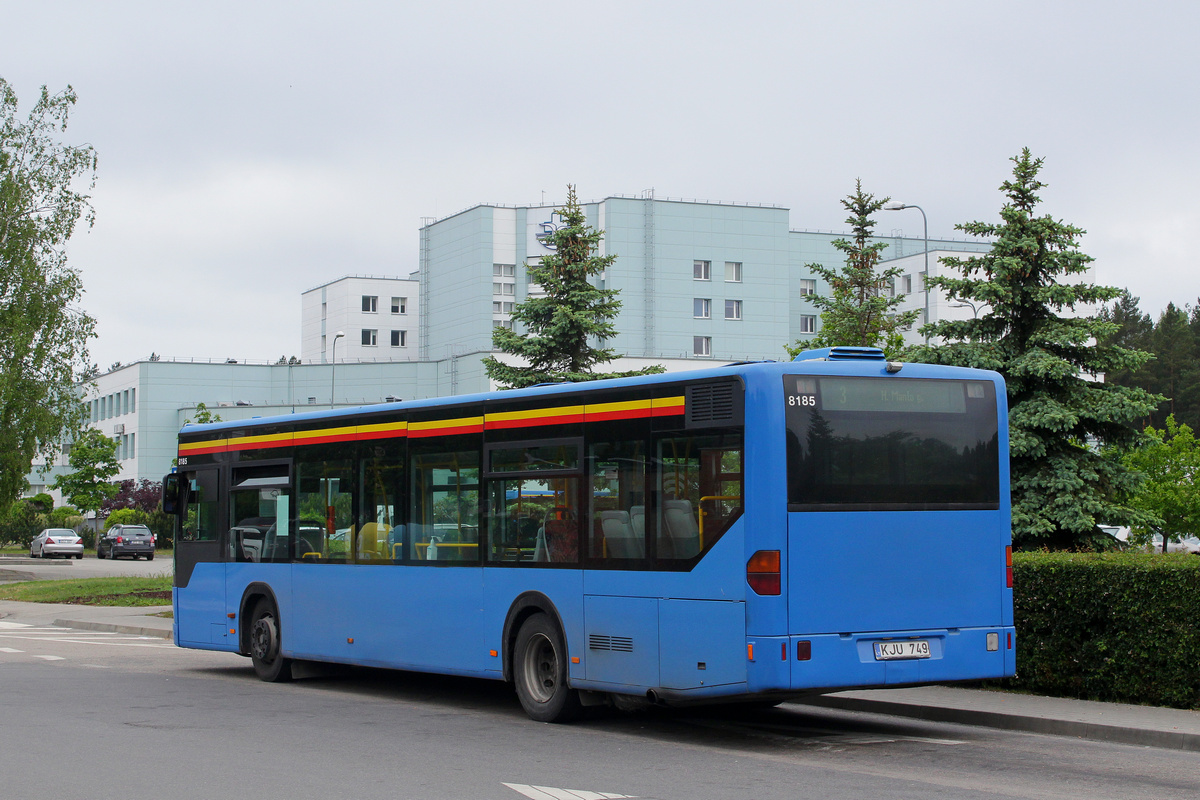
pixel 269 665
pixel 540 672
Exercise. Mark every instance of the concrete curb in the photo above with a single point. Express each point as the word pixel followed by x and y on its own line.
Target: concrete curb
pixel 1175 740
pixel 109 627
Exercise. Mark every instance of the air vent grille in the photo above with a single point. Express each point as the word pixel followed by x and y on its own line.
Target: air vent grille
pixel 713 403
pixel 620 644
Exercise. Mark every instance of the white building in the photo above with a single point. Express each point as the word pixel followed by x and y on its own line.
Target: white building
pixel 379 317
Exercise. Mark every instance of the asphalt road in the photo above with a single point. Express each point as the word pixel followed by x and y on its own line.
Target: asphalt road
pixel 87 567
pixel 90 715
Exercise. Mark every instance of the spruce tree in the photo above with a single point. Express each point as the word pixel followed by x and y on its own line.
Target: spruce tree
pixel 861 307
pixel 1063 485
pixel 563 325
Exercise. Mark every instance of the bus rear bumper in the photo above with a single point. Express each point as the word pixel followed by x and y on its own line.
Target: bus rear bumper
pixel 839 661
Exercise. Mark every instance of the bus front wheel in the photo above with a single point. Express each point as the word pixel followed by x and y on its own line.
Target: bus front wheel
pixel 540 660
pixel 269 665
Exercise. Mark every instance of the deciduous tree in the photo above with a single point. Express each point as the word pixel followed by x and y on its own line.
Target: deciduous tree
pixel 861 309
pixel 93 462
pixel 567 326
pixel 1170 495
pixel 1036 333
pixel 43 334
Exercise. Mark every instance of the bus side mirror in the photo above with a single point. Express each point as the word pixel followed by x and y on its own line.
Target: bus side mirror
pixel 170 493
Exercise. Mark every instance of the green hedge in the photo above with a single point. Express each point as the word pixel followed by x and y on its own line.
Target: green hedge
pixel 1123 627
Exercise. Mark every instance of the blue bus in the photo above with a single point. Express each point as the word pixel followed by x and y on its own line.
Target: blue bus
pixel 751 532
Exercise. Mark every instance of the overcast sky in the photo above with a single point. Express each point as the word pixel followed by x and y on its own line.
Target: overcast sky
pixel 251 151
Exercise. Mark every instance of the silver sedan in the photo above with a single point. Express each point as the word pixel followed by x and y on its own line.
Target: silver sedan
pixel 54 542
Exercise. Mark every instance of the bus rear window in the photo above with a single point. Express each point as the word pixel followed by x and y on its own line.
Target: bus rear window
pixel 891 444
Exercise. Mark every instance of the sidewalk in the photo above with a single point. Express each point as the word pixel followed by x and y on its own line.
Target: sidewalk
pixel 137 621
pixel 1146 726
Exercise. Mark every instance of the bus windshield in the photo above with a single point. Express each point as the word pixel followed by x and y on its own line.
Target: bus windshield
pixel 857 443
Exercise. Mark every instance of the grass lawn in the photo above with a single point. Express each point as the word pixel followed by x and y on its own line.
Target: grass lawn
pixel 132 591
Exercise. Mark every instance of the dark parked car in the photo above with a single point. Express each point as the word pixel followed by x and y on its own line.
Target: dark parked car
pixel 126 540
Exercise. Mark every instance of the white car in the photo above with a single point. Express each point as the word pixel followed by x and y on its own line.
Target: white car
pixel 54 542
pixel 1189 544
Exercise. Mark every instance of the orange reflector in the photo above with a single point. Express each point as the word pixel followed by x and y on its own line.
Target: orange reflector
pixel 574 659
pixel 1008 580
pixel 231 630
pixel 350 641
pixel 749 651
pixel 493 653
pixel 764 561
pixel 231 615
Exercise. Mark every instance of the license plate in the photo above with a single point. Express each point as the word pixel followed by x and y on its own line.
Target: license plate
pixel 908 648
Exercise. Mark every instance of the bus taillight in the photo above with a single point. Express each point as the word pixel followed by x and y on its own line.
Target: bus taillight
pixel 762 572
pixel 1008 566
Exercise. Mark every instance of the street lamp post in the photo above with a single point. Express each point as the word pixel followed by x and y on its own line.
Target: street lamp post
pixel 333 369
pixel 898 206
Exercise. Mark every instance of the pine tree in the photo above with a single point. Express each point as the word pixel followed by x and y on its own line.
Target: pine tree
pixel 861 308
pixel 563 324
pixel 1174 372
pixel 1062 484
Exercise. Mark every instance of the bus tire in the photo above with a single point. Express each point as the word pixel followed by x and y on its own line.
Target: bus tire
pixel 269 665
pixel 540 672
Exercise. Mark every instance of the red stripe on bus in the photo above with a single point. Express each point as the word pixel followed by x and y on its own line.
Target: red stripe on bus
pixel 533 422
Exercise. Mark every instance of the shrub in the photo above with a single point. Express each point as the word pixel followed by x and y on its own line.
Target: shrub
pixel 22 523
pixel 1121 627
pixel 126 516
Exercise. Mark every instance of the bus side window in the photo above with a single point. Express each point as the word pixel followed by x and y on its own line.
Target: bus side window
pixel 444 506
pixel 618 480
pixel 325 509
pixel 700 492
pixel 380 539
pixel 199 522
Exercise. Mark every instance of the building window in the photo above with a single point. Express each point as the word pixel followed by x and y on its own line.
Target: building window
pixel 504 270
pixel 510 288
pixel 502 323
pixel 495 306
pixel 906 284
pixel 370 304
pixel 507 308
pixel 399 305
pixel 399 338
pixel 733 272
pixel 702 345
pixel 504 288
pixel 701 308
pixel 370 337
pixel 733 309
pixel 808 323
pixel 808 287
pixel 702 270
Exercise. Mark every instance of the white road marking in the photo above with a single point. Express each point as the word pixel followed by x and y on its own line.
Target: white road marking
pixel 128 641
pixel 51 658
pixel 10 650
pixel 551 793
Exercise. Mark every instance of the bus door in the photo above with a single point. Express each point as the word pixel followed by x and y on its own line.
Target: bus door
pixel 199 571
